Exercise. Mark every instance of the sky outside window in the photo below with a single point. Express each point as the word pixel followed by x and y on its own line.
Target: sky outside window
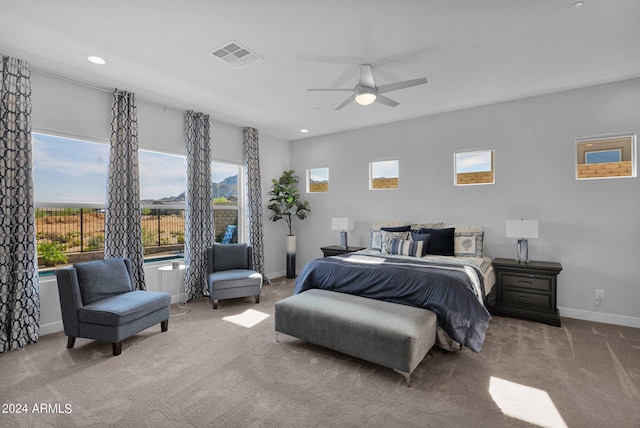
pixel 68 170
pixel 477 161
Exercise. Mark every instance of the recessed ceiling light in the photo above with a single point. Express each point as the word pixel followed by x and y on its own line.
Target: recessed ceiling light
pixel 97 60
pixel 577 4
pixel 304 131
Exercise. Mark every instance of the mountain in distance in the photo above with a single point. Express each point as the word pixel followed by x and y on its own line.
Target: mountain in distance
pixel 227 188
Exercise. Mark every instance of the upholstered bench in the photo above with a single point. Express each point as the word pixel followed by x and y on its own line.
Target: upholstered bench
pixel 389 334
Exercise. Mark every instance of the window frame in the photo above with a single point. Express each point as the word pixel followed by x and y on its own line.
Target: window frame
pixel 371 177
pixel 241 205
pixel 627 153
pixel 491 150
pixel 308 181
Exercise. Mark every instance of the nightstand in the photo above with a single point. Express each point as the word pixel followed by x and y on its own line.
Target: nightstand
pixel 527 290
pixel 335 250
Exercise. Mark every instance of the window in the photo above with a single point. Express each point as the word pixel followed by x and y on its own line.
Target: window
pixel 227 201
pixel 70 180
pixel 474 167
pixel 317 180
pixel 383 175
pixel 606 157
pixel 162 199
pixel 68 170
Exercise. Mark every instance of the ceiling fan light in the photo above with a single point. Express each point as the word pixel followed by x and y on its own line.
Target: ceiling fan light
pixel 365 98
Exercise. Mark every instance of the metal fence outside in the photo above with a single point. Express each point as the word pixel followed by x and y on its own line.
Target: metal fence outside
pixel 75 231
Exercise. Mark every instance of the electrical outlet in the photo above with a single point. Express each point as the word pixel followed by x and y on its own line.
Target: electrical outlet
pixel 599 296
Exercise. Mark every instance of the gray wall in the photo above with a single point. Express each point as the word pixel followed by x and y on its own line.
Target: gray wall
pixel 592 227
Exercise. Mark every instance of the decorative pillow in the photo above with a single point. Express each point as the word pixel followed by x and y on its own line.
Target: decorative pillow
pixel 406 248
pixel 102 278
pixel 416 227
pixel 468 243
pixel 441 241
pixel 388 236
pixel 405 228
pixel 379 225
pixel 375 233
pixel 375 240
pixel 421 237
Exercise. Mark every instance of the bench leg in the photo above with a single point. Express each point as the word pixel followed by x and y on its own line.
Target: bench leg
pixel 70 342
pixel 407 376
pixel 164 325
pixel 117 348
pixel 257 298
pixel 215 304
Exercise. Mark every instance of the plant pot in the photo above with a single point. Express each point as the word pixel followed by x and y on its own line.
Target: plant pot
pixel 291 256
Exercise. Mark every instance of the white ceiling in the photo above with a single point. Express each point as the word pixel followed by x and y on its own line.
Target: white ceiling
pixel 473 52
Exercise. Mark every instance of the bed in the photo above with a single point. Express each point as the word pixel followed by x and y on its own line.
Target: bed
pixel 455 286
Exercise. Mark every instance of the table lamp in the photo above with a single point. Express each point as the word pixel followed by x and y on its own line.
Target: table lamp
pixel 342 224
pixel 522 229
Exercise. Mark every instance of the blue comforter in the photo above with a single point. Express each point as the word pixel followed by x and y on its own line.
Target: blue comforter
pixel 445 290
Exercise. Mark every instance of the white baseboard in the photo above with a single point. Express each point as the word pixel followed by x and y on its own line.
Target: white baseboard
pixel 179 298
pixel 600 317
pixel 277 274
pixel 53 327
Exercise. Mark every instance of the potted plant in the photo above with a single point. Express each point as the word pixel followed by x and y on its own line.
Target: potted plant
pixel 286 204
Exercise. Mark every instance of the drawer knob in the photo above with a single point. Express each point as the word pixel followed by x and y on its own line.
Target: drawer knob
pixel 525 282
pixel 524 297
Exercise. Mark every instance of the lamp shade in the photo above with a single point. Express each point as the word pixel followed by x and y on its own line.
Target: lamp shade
pixel 341 223
pixel 522 228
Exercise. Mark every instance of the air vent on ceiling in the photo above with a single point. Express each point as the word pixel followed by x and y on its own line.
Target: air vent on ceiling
pixel 235 54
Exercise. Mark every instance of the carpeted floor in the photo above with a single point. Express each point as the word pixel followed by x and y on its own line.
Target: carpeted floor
pixel 208 371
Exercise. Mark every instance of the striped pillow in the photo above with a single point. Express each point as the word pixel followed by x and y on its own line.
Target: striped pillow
pixel 388 236
pixel 405 247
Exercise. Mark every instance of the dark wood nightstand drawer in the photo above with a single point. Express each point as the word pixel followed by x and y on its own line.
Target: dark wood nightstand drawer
pixel 527 290
pixel 522 281
pixel 519 298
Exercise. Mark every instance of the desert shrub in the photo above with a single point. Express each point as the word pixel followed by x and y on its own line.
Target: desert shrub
pixel 95 243
pixel 52 253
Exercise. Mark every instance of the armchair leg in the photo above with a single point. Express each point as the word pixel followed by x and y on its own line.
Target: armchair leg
pixel 117 348
pixel 70 342
pixel 257 298
pixel 164 325
pixel 215 304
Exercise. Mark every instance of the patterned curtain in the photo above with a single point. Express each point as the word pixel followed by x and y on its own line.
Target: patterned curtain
pixel 198 216
pixel 123 229
pixel 254 198
pixel 19 295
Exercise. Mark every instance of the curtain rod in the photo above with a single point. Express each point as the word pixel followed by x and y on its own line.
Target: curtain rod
pixel 101 88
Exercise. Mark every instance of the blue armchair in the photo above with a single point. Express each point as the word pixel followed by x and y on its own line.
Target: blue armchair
pixel 230 273
pixel 98 302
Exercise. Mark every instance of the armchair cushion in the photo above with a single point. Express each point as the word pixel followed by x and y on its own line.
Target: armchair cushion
pixel 123 308
pixel 234 278
pixel 230 256
pixel 100 279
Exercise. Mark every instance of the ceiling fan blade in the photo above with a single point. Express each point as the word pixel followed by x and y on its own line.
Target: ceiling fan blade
pixel 331 89
pixel 345 102
pixel 386 101
pixel 401 85
pixel 366 76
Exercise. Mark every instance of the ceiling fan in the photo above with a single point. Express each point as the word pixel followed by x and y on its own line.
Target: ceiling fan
pixel 366 92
